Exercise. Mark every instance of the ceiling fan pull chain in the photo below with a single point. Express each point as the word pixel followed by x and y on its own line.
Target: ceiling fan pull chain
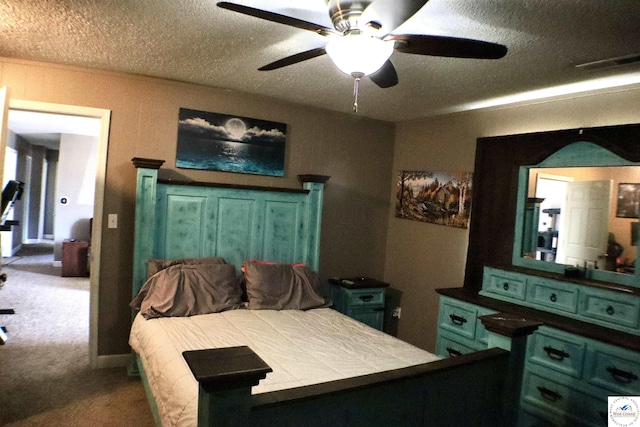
pixel 356 86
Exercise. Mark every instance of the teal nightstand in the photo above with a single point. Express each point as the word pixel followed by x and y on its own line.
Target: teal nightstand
pixel 361 299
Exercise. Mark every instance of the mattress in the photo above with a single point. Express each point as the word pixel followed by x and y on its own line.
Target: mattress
pixel 302 348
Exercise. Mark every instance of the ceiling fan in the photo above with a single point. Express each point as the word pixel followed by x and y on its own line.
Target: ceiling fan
pixel 362 40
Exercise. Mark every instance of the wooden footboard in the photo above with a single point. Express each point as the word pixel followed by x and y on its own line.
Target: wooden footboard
pixel 467 390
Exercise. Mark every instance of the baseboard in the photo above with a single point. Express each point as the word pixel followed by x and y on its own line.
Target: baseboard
pixel 114 361
pixel 16 249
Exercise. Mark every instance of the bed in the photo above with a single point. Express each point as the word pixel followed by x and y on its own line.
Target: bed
pixel 246 357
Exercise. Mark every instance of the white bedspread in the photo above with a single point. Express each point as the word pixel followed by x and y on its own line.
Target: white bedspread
pixel 302 348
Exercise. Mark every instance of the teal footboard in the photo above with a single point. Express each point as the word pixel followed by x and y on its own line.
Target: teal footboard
pixel 463 391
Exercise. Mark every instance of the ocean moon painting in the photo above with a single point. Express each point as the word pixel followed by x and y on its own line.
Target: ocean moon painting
pixel 220 142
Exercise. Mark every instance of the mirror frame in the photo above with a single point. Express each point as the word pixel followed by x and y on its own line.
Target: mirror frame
pixel 495 186
pixel 577 154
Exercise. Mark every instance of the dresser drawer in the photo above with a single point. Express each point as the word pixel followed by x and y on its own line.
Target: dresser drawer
pixel 448 347
pixel 557 351
pixel 458 317
pixel 561 403
pixel 552 294
pixel 614 310
pixel 366 297
pixel 618 373
pixel 503 283
pixel 527 419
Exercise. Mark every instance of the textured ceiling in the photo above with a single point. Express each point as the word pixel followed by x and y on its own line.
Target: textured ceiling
pixel 196 41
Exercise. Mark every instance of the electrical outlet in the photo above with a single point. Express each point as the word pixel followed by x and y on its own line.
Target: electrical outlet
pixel 397 312
pixel 112 221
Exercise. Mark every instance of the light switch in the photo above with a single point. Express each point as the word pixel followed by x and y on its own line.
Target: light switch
pixel 113 221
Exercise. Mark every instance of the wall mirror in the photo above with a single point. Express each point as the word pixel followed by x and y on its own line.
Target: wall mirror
pixel 501 168
pixel 579 208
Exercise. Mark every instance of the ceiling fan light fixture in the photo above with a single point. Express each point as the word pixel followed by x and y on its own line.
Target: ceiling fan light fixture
pixel 359 54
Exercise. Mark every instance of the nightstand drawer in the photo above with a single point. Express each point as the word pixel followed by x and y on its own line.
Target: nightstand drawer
pixel 363 304
pixel 617 311
pixel 553 295
pixel 503 283
pixel 559 352
pixel 616 373
pixel 458 317
pixel 450 348
pixel 366 297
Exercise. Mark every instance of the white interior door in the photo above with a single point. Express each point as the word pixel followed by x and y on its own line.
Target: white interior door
pixel 585 223
pixel 4 115
pixel 10 168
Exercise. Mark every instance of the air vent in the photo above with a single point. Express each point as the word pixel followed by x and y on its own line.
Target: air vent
pixel 610 63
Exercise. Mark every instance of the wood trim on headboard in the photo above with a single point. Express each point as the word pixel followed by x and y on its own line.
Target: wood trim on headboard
pixel 140 162
pixel 234 186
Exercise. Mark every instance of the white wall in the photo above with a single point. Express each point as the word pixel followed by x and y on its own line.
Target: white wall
pixel 75 182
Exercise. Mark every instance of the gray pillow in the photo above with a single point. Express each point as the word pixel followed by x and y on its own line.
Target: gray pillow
pixel 282 287
pixel 155 265
pixel 187 290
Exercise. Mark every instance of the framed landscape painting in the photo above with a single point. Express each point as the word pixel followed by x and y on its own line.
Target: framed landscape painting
pixel 628 201
pixel 221 142
pixel 438 197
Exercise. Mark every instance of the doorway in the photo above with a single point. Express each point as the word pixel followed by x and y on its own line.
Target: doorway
pixel 88 200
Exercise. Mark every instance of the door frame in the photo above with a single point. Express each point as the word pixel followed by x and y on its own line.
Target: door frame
pixel 96 231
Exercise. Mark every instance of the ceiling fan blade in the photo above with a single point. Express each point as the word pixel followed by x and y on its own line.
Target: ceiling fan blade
pixel 391 13
pixel 294 59
pixel 276 17
pixel 386 76
pixel 452 47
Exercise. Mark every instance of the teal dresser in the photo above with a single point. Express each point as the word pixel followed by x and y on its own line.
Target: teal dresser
pixel 568 376
pixel 587 350
pixel 553 240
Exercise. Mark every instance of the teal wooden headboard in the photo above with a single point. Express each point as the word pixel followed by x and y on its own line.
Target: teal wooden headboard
pixel 238 223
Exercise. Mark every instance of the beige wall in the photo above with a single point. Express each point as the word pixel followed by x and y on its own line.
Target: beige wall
pixel 360 234
pixel 355 152
pixel 422 257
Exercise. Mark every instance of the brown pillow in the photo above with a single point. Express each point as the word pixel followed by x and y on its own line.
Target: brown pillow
pixel 282 287
pixel 155 265
pixel 187 290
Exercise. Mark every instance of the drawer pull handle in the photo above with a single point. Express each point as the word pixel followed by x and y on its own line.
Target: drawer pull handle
pixel 555 354
pixel 453 352
pixel 621 376
pixel 458 320
pixel 366 298
pixel 505 286
pixel 550 395
pixel 610 310
pixel 553 298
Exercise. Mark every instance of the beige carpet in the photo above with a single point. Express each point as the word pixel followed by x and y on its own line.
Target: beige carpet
pixel 45 379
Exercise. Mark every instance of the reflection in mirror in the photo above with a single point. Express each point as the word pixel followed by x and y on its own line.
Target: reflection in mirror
pixel 583 216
